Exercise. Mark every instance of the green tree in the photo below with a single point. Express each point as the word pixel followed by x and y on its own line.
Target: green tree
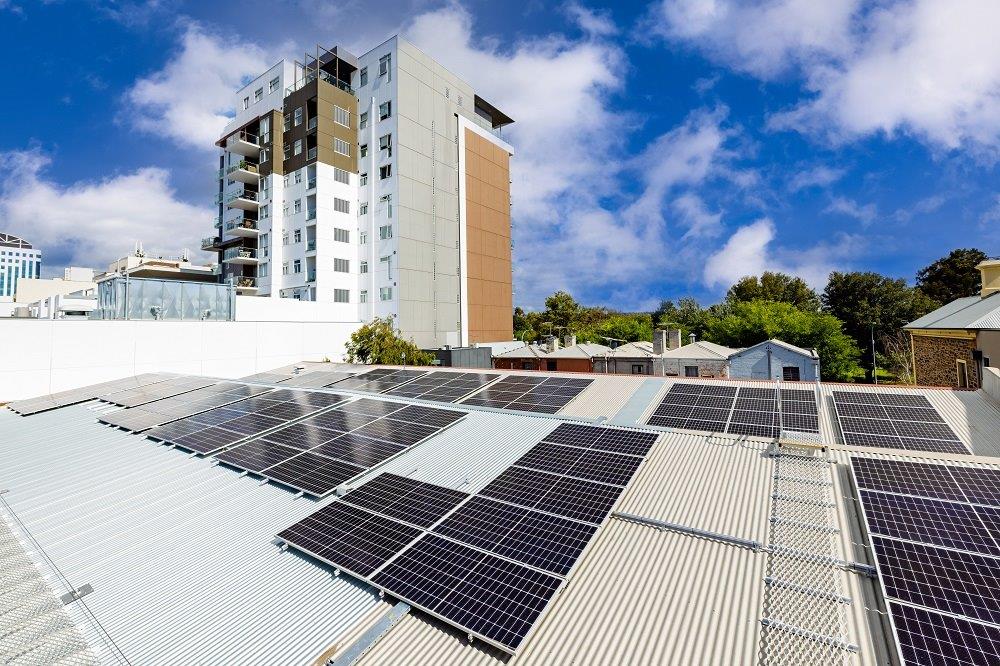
pixel 627 327
pixel 872 305
pixel 561 312
pixel 377 343
pixel 778 287
pixel 951 277
pixel 746 323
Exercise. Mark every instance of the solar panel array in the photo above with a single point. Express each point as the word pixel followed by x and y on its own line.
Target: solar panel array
pixel 487 563
pixel 739 410
pixel 158 391
pixel 163 411
pixel 935 533
pixel 894 421
pixel 443 386
pixel 83 394
pixel 317 454
pixel 316 379
pixel 221 427
pixel 273 377
pixel 379 379
pixel 529 393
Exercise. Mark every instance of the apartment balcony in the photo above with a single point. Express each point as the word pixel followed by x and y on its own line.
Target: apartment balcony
pixel 240 255
pixel 243 227
pixel 218 220
pixel 244 172
pixel 311 125
pixel 311 185
pixel 244 143
pixel 311 154
pixel 210 243
pixel 311 215
pixel 245 284
pixel 311 276
pixel 245 200
pixel 311 245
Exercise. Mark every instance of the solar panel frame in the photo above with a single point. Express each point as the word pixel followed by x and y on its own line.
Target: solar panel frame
pixel 407 500
pixel 928 637
pixel 312 473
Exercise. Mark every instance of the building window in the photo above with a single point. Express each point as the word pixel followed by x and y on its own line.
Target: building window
pixel 385 172
pixel 637 369
pixel 297 150
pixel 790 373
pixel 262 155
pixel 364 150
pixel 284 238
pixel 363 78
pixel 384 110
pixel 385 232
pixel 342 147
pixel 363 180
pixel 288 122
pixel 388 265
pixel 341 116
pixel 298 116
pixel 298 176
pixel 385 293
pixel 363 120
pixel 383 64
pixel 342 265
pixel 246 103
pixel 364 267
pixel 341 176
pixel 363 209
pixel 284 268
pixel 288 150
pixel 690 370
pixel 262 271
pixel 265 211
pixel 362 237
pixel 341 296
pixel 363 296
pixel 271 87
pixel 341 235
pixel 962 370
pixel 297 235
pixel 341 205
pixel 385 143
pixel 297 206
pixel 258 95
pixel 297 266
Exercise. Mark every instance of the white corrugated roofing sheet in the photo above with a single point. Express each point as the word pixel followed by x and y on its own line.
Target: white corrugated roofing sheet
pixel 972 312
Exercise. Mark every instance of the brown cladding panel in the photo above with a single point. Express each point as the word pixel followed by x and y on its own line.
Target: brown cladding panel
pixel 488 236
pixel 318 98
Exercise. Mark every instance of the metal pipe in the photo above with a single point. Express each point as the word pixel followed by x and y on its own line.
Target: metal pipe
pixel 715 536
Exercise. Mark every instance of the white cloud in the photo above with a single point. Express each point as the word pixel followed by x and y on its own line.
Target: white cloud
pixel 865 213
pixel 927 68
pixel 762 38
pixel 595 24
pixel 92 223
pixel 821 176
pixel 751 251
pixel 190 99
pixel 700 222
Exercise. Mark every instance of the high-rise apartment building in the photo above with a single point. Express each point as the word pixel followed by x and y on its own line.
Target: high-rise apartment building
pixel 17 260
pixel 377 184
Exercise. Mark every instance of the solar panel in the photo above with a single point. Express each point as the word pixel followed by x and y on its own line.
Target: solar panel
pixel 379 380
pixel 358 450
pixel 398 432
pixel 158 391
pixel 83 394
pixel 257 455
pixel 543 395
pixel 313 473
pixel 936 555
pixel 443 386
pixel 349 538
pixel 415 502
pixel 895 421
pixel 316 379
pixel 301 436
pixel 926 637
pixel 493 598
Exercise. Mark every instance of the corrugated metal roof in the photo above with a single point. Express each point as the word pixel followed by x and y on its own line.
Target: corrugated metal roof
pixel 580 350
pixel 811 353
pixel 972 312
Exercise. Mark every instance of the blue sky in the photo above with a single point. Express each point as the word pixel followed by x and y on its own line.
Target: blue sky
pixel 663 148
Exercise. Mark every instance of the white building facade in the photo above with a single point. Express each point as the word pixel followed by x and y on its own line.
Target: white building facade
pixel 376 183
pixel 18 259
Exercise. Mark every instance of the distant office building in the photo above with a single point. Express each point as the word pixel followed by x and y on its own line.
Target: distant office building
pixel 376 183
pixel 17 260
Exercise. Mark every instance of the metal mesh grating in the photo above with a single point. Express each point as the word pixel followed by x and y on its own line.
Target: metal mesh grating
pixel 804 616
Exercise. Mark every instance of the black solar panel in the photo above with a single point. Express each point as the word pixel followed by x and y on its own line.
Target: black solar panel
pixel 415 502
pixel 980 485
pixel 895 421
pixel 312 473
pixel 301 436
pixel 443 386
pixel 257 456
pixel 494 598
pixel 398 432
pixel 349 538
pixel 926 637
pixel 908 478
pixel 372 407
pixel 543 395
pixel 379 380
pixel 358 450
pixel 206 440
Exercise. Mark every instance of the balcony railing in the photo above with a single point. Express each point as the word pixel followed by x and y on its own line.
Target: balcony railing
pixel 243 282
pixel 244 135
pixel 243 165
pixel 311 76
pixel 311 214
pixel 249 195
pixel 241 223
pixel 311 154
pixel 218 219
pixel 311 276
pixel 240 253
pixel 311 125
pixel 209 242
pixel 311 185
pixel 310 245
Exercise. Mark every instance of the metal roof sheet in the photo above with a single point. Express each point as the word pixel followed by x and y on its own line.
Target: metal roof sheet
pixel 972 312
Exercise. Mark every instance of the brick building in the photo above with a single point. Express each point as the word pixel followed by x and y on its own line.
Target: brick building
pixel 953 344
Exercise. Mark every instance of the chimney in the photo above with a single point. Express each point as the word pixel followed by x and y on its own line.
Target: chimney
pixel 691 339
pixel 675 338
pixel 569 340
pixel 659 341
pixel 552 344
pixel 990 271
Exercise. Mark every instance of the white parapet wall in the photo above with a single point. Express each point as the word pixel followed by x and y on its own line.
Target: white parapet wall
pixel 40 356
pixel 991 383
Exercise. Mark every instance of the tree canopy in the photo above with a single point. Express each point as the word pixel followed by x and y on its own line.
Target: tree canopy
pixel 777 287
pixel 377 343
pixel 951 277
